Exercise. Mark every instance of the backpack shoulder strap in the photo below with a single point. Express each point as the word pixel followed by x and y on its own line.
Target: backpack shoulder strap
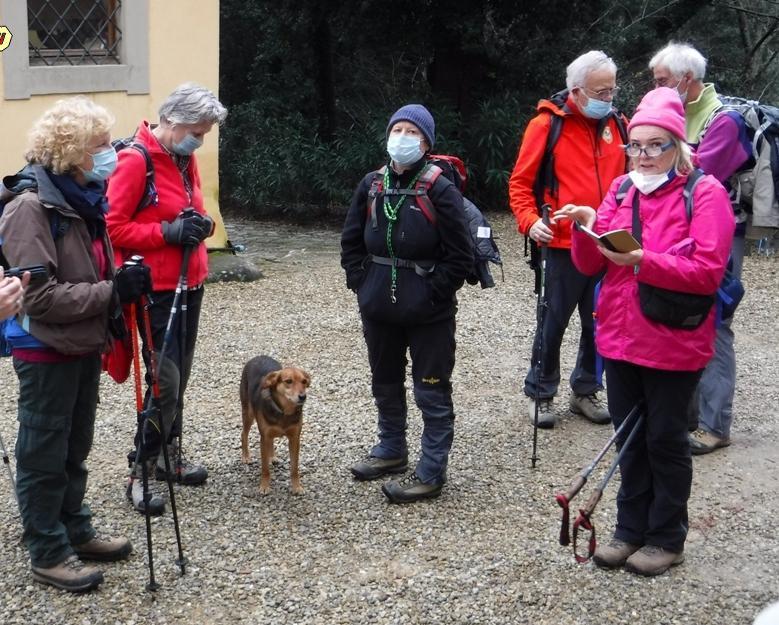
pixel 689 189
pixel 545 177
pixel 623 188
pixel 150 195
pixel 376 189
pixel 430 174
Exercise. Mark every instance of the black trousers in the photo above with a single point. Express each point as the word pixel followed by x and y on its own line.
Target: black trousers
pixel 566 290
pixel 656 469
pixel 179 354
pixel 432 350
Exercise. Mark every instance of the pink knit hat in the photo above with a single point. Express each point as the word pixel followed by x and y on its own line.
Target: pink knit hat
pixel 661 107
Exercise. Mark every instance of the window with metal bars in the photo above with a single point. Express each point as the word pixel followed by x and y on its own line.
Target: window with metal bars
pixel 74 32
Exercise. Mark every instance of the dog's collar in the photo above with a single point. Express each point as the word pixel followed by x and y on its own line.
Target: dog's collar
pixel 269 405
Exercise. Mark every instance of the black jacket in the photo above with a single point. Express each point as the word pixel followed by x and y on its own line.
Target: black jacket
pixel 420 299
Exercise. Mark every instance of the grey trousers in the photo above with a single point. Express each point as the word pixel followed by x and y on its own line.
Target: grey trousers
pixel 718 383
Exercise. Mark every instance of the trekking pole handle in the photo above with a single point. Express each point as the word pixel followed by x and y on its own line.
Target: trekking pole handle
pixel 575 487
pixel 545 208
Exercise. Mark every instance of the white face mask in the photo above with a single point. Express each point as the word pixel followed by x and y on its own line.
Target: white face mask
pixel 404 149
pixel 646 183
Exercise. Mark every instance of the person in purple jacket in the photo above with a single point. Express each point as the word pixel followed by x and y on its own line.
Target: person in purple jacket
pixel 647 361
pixel 723 148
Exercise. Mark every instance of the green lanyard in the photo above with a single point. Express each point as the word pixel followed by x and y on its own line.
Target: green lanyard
pixel 391 213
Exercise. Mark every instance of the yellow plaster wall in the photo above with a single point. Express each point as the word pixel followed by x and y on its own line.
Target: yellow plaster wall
pixel 183 46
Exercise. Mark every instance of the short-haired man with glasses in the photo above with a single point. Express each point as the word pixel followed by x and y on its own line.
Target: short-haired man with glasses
pixel 570 153
pixel 723 148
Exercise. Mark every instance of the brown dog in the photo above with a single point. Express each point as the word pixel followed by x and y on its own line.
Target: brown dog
pixel 273 397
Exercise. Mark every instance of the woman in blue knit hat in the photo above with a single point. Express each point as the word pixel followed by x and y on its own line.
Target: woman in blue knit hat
pixel 406 250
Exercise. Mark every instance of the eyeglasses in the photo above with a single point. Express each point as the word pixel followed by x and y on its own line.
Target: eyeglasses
pixel 602 94
pixel 634 150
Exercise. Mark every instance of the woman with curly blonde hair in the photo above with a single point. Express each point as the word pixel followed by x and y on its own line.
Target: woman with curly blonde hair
pixel 54 216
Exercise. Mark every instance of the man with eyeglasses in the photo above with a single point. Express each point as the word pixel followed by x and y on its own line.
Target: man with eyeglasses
pixel 722 147
pixel 570 152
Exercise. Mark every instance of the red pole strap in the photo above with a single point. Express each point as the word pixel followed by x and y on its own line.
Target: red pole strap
pixel 583 520
pixel 136 357
pixel 565 538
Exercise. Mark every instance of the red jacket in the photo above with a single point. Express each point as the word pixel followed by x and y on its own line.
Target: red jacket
pixel 584 166
pixel 135 231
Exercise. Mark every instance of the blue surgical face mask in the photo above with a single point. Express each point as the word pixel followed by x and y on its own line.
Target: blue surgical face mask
pixel 187 145
pixel 596 109
pixel 103 165
pixel 404 149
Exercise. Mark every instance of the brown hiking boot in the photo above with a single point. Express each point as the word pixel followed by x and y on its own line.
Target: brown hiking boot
pixel 613 554
pixel 104 549
pixel 71 574
pixel 703 442
pixel 591 407
pixel 651 560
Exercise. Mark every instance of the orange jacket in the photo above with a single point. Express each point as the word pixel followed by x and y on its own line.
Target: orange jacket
pixel 584 166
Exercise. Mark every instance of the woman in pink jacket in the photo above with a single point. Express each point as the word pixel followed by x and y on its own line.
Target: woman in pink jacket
pixel 646 360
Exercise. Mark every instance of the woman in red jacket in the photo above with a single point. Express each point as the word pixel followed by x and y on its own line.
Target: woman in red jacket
pixel 648 361
pixel 159 228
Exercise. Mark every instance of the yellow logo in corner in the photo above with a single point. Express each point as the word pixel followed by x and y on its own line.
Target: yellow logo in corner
pixel 5 37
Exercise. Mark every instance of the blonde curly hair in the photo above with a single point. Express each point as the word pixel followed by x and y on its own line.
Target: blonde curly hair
pixel 59 138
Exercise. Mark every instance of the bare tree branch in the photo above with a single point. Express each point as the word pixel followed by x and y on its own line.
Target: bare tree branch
pixel 770 31
pixel 747 11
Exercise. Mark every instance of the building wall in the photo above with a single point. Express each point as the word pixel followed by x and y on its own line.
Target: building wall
pixel 183 46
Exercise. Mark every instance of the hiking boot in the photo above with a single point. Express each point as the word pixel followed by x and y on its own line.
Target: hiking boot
pixel 591 407
pixel 410 489
pixel 703 442
pixel 184 471
pixel 104 549
pixel 546 416
pixel 372 467
pixel 71 574
pixel 651 561
pixel 613 554
pixel 135 495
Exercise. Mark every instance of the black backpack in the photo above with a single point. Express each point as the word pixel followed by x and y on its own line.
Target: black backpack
pixel 485 250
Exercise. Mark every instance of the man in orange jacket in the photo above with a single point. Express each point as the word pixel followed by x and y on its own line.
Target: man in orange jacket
pixel 570 153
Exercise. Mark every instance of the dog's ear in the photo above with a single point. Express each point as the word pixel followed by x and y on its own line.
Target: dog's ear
pixel 307 377
pixel 271 380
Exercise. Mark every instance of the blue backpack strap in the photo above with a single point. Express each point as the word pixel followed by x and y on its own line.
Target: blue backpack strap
pixel 689 190
pixel 623 189
pixel 598 357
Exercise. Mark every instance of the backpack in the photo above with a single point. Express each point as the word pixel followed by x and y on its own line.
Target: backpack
pixel 485 250
pixel 756 185
pixel 10 327
pixel 731 289
pixel 545 177
pixel 150 196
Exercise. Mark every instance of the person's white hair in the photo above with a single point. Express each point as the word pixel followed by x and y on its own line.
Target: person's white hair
pixel 680 58
pixel 576 72
pixel 192 104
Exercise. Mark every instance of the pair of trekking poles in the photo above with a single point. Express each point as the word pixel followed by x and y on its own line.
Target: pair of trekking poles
pixel 151 426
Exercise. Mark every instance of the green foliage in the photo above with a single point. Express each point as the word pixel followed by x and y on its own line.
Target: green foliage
pixel 310 86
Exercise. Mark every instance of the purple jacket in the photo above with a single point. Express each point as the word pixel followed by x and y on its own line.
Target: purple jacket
pixel 678 255
pixel 725 146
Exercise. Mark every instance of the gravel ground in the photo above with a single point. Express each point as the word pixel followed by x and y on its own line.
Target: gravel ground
pixel 485 552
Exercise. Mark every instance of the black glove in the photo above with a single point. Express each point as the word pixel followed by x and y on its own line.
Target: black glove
pixel 132 281
pixel 189 228
pixel 148 438
pixel 208 227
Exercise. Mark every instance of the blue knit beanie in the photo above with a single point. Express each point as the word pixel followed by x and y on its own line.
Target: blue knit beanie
pixel 417 115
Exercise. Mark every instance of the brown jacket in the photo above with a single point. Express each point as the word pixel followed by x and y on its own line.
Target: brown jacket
pixel 68 312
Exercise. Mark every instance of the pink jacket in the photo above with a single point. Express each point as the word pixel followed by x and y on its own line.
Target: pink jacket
pixel 678 255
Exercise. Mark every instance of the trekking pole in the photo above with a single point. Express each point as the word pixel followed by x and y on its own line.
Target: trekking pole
pixel 152 585
pixel 540 315
pixel 584 520
pixel 564 499
pixel 7 463
pixel 182 282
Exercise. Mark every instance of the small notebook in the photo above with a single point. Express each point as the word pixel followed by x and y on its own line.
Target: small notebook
pixel 614 240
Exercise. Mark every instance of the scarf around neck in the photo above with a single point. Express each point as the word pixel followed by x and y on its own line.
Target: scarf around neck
pixel 89 201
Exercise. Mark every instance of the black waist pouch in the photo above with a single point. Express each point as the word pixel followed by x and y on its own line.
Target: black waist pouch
pixel 674 308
